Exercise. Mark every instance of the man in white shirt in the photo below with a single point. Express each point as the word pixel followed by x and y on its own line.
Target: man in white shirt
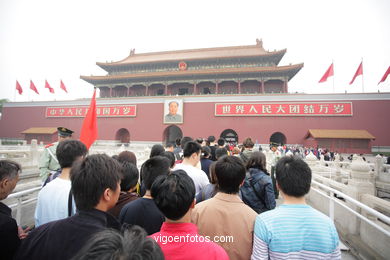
pixel 53 199
pixel 192 153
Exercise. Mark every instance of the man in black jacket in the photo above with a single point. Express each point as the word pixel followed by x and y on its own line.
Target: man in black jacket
pixel 96 188
pixel 9 238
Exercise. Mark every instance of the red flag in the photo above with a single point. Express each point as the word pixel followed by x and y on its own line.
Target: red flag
pixel 385 76
pixel 32 87
pixel 357 73
pixel 19 88
pixel 48 86
pixel 89 130
pixel 328 73
pixel 62 86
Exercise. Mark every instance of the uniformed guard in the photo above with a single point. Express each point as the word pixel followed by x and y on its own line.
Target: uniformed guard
pixel 276 155
pixel 48 163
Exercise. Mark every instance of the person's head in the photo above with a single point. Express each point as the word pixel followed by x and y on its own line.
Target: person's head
pixel 178 141
pixel 221 142
pixel 153 168
pixel 170 147
pixel 257 160
pixel 69 151
pixel 96 182
pixel 173 107
pixel 206 152
pixel 220 152
pixel 110 244
pixel 211 139
pixel 9 177
pixel 230 173
pixel 199 141
pixel 248 143
pixel 64 133
pixel 171 157
pixel 293 176
pixel 156 150
pixel 274 146
pixel 174 194
pixel 192 152
pixel 127 156
pixel 130 176
pixel 185 140
pixel 236 150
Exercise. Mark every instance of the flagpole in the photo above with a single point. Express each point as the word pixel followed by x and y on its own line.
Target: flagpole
pixel 333 76
pixel 362 76
pixel 15 94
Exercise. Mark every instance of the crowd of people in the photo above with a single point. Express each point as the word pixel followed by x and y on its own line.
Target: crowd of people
pixel 195 199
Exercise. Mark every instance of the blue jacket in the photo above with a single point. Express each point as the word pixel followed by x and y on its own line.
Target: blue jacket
pixel 257 191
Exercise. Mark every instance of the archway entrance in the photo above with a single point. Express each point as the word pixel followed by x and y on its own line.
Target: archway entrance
pixel 230 136
pixel 171 133
pixel 278 138
pixel 123 136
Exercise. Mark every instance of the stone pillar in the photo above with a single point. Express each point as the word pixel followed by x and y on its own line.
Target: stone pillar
pixel 128 91
pixel 311 160
pixel 361 181
pixel 166 89
pixel 111 91
pixel 239 87
pixel 195 90
pixel 34 155
pixel 378 165
pixel 216 87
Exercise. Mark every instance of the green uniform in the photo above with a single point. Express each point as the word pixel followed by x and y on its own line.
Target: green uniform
pixel 48 161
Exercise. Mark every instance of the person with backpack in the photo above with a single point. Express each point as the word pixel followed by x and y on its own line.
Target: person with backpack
pixel 257 190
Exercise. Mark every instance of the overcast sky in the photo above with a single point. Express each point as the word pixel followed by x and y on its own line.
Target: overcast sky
pixel 54 40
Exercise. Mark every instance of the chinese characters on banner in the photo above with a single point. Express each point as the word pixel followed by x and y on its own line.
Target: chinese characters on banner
pixel 101 111
pixel 284 109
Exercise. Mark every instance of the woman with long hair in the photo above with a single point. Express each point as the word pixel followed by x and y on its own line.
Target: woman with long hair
pixel 257 191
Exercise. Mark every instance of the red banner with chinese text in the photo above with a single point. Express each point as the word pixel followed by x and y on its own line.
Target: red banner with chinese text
pixel 101 111
pixel 284 109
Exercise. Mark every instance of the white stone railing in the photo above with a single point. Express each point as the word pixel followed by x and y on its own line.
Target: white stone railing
pixel 367 219
pixel 20 203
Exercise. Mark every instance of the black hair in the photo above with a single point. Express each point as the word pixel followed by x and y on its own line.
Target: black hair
pixel 211 139
pixel 221 142
pixel 110 244
pixel 68 151
pixel 9 169
pixel 153 168
pixel 257 160
pixel 177 103
pixel 178 141
pixel 130 176
pixel 190 148
pixel 127 156
pixel 219 152
pixel 171 157
pixel 91 177
pixel 156 150
pixel 206 151
pixel 173 194
pixel 185 140
pixel 170 144
pixel 199 140
pixel 293 176
pixel 230 172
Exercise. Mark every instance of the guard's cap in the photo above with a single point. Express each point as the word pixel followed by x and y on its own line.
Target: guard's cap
pixel 64 132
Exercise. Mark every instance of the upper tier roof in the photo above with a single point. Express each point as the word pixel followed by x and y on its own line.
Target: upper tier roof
pixel 195 54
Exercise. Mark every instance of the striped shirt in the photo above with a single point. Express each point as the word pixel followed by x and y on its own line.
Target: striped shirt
pixel 295 232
